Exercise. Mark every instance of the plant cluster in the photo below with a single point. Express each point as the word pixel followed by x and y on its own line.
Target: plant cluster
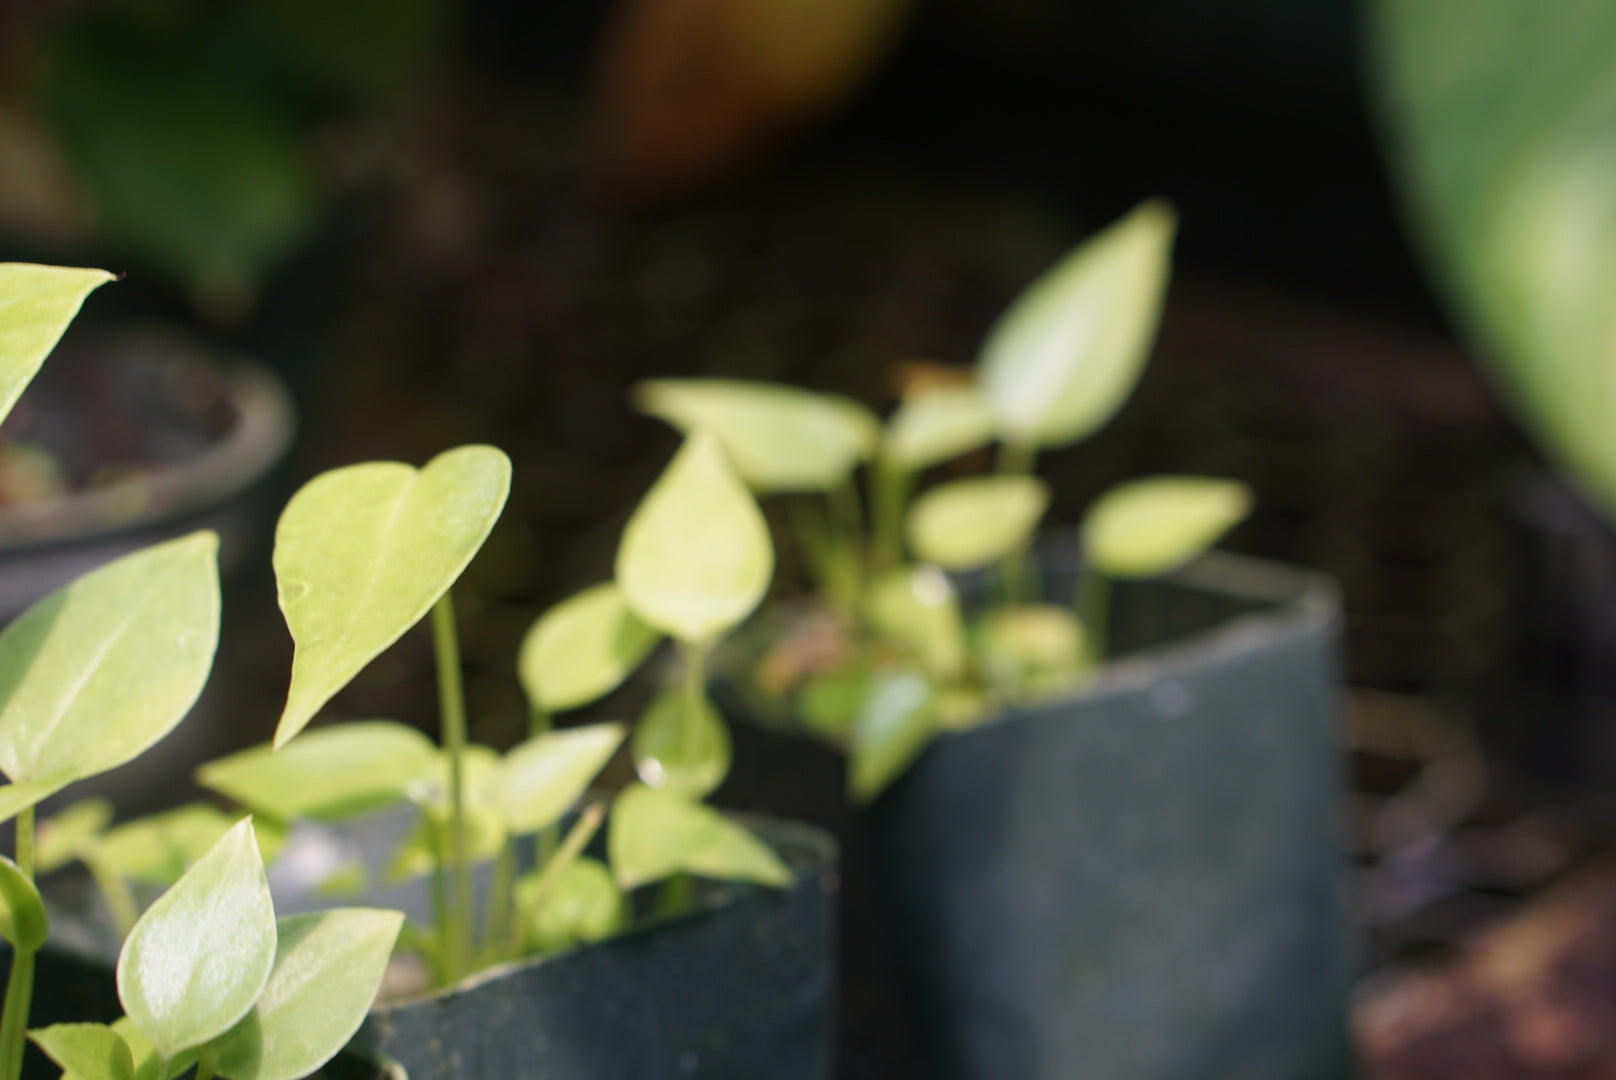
pixel 901 655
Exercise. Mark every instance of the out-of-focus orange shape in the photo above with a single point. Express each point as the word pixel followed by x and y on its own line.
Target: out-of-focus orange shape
pixel 689 89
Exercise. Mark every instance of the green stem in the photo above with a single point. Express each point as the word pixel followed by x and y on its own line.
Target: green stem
pixel 889 493
pixel 847 537
pixel 583 830
pixel 441 914
pixel 498 932
pixel 206 1065
pixel 1015 459
pixel 452 717
pixel 115 890
pixel 695 697
pixel 539 721
pixel 1094 612
pixel 20 983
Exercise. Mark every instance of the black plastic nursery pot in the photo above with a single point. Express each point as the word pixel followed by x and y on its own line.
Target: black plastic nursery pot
pixel 738 988
pixel 1143 880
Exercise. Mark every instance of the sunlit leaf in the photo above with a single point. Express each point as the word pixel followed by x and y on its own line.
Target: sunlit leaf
pixel 583 905
pixel 970 523
pixel 68 833
pixel 696 556
pixel 779 438
pixel 23 921
pixel 158 849
pixel 894 724
pixel 36 304
pixel 1030 649
pixel 145 1054
pixel 200 955
pixel 543 777
pixel 363 552
pixel 581 648
pixel 917 607
pixel 98 671
pixel 328 967
pixel 1149 527
pixel 1067 353
pixel 652 834
pixel 679 749
pixel 940 423
pixel 330 774
pixel 86 1051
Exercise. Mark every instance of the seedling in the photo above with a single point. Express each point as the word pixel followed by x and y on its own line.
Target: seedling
pixel 903 661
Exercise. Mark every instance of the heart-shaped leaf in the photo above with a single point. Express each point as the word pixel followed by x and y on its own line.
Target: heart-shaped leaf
pixel 23 921
pixel 653 834
pixel 67 834
pixel 779 438
pixel 328 967
pixel 86 1051
pixel 696 556
pixel 543 777
pixel 331 774
pixel 682 745
pixel 895 723
pixel 581 648
pixel 1149 527
pixel 199 957
pixel 363 552
pixel 969 523
pixel 583 904
pixel 36 304
pixel 98 671
pixel 1067 353
pixel 930 427
pixel 917 607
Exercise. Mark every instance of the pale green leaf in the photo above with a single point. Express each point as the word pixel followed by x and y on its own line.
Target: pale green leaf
pixel 966 524
pixel 144 1053
pixel 918 608
pixel 86 1051
pixel 581 648
pixel 779 438
pixel 1149 527
pixel 363 552
pixel 682 744
pixel 584 904
pixel 330 774
pixel 543 777
pixel 199 957
pixel 23 921
pixel 328 967
pixel 98 671
pixel 696 556
pixel 67 834
pixel 1032 649
pixel 895 723
pixel 653 834
pixel 36 304
pixel 15 798
pixel 1066 355
pixel 931 427
pixel 158 849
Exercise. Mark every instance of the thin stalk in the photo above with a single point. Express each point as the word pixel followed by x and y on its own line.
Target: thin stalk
pixel 1015 459
pixel 497 932
pixel 452 717
pixel 889 493
pixel 847 532
pixel 441 915
pixel 583 830
pixel 115 890
pixel 206 1065
pixel 1094 612
pixel 694 690
pixel 20 983
pixel 539 721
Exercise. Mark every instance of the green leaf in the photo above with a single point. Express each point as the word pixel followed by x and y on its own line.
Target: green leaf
pixel 696 556
pixel 328 967
pixel 1033 649
pixel 36 304
pixel 363 552
pixel 653 834
pixel 15 798
pixel 584 904
pixel 66 835
pixel 86 1051
pixel 544 776
pixel 918 608
pixel 828 702
pixel 23 921
pixel 98 671
pixel 581 648
pixel 688 754
pixel 1149 527
pixel 330 774
pixel 894 725
pixel 969 523
pixel 1501 117
pixel 942 423
pixel 145 1054
pixel 158 849
pixel 779 438
pixel 201 954
pixel 1066 355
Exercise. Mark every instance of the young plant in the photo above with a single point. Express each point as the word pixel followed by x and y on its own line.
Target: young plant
pixel 210 979
pixel 903 661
